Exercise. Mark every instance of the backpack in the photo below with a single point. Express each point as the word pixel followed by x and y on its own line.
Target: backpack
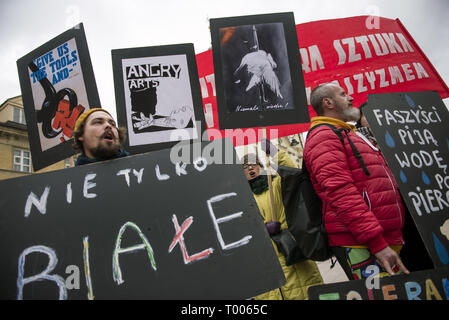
pixel 306 237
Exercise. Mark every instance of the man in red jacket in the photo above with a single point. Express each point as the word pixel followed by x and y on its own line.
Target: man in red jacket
pixel 362 207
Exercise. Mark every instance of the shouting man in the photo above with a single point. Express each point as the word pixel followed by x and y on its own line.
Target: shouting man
pixel 98 138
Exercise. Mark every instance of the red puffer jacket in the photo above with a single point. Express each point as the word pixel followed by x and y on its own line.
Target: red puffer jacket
pixel 359 209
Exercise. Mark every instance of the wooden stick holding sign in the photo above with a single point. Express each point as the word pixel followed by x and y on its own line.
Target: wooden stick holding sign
pixel 270 185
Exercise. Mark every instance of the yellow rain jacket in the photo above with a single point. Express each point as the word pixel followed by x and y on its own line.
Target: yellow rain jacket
pixel 301 275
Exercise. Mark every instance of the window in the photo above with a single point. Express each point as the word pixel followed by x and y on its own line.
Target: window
pixel 18 115
pixel 22 160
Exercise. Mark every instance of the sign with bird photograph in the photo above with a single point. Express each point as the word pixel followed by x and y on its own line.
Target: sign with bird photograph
pixel 259 79
pixel 158 96
pixel 58 84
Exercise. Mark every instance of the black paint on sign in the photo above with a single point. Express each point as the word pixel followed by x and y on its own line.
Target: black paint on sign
pixel 189 232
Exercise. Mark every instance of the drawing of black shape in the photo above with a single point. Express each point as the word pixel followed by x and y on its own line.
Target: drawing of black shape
pixel 50 105
pixel 144 117
pixel 256 70
pixel 144 100
pixel 143 104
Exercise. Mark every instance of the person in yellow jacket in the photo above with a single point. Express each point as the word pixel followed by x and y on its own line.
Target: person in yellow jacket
pixel 303 274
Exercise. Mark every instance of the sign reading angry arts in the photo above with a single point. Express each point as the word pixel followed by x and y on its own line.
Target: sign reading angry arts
pixel 158 96
pixel 139 227
pixel 411 129
pixel 57 84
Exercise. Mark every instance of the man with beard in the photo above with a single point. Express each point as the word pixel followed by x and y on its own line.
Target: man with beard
pixel 98 138
pixel 362 208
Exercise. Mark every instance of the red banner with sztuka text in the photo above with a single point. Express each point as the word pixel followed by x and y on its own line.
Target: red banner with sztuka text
pixel 363 57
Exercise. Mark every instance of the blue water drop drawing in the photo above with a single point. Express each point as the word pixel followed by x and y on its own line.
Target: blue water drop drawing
pixel 389 140
pixel 441 250
pixel 425 178
pixel 403 177
pixel 410 102
pixel 447 140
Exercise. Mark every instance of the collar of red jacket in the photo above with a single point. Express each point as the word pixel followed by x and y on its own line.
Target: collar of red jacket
pixel 332 121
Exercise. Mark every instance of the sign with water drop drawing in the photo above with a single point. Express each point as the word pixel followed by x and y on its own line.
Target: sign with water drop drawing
pixel 411 129
pixel 258 75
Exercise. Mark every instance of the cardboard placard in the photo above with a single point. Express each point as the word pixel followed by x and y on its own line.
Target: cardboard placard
pixel 139 227
pixel 57 84
pixel 430 284
pixel 158 96
pixel 258 74
pixel 411 129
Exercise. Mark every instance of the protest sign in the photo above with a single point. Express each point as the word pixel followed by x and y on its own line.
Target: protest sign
pixel 339 49
pixel 258 75
pixel 58 84
pixel 158 96
pixel 139 227
pixel 430 284
pixel 412 134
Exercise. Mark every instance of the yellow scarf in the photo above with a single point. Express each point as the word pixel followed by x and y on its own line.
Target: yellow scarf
pixel 332 121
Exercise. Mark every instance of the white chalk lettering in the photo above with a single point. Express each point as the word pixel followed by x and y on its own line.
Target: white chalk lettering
pixel 89 185
pixel 124 172
pixel 161 176
pixel 44 275
pixel 216 221
pixel 40 204
pixel 145 245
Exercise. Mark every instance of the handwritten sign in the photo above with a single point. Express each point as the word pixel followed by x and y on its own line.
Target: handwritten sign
pixel 411 129
pixel 139 227
pixel 420 285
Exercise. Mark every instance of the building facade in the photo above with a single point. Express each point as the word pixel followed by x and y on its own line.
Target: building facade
pixel 15 154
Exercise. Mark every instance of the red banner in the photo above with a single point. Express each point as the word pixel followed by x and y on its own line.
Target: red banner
pixel 363 57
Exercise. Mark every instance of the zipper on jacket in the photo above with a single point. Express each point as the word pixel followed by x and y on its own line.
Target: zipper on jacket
pixel 365 194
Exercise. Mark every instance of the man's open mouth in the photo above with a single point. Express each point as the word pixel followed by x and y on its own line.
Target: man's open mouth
pixel 109 136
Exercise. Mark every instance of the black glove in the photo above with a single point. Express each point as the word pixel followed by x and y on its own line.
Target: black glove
pixel 268 147
pixel 273 227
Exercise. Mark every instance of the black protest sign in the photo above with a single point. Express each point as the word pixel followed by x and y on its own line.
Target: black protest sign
pixel 158 97
pixel 258 75
pixel 57 84
pixel 411 129
pixel 139 227
pixel 421 285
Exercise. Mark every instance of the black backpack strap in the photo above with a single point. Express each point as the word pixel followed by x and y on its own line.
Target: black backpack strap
pixel 358 156
pixel 338 132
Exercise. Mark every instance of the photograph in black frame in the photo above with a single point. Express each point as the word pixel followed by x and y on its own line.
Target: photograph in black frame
pixel 158 97
pixel 57 84
pixel 258 74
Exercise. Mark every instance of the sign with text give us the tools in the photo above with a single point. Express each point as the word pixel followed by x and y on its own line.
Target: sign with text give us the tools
pixel 141 227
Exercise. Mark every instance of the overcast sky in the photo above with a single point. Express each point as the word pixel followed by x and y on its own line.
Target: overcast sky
pixel 114 24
